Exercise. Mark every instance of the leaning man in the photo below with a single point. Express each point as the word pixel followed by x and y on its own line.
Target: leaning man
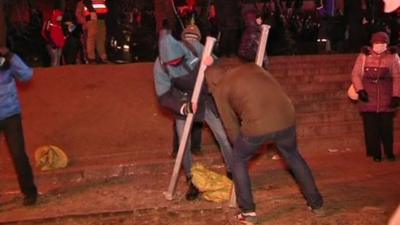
pixel 255 110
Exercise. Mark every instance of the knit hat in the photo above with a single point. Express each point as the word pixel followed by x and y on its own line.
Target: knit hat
pixel 191 31
pixel 380 37
pixel 56 16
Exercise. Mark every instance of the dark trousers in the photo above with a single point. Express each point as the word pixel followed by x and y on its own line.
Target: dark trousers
pixel 12 128
pixel 195 137
pixel 245 147
pixel 378 129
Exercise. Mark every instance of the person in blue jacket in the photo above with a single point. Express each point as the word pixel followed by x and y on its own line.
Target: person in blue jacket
pixel 175 73
pixel 12 68
pixel 191 37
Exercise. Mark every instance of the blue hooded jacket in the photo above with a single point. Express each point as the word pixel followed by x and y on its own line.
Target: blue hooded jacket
pixel 174 84
pixel 9 100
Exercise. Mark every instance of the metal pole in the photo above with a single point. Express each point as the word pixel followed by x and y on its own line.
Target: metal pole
pixel 263 44
pixel 169 195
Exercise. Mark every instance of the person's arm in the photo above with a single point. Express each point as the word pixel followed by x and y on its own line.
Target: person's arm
pixel 168 96
pixel 357 72
pixel 395 69
pixel 18 68
pixel 80 14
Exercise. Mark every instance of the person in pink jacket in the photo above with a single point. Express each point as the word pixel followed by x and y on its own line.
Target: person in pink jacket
pixel 376 79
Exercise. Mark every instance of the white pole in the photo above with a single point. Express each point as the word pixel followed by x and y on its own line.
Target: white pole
pixel 169 195
pixel 263 43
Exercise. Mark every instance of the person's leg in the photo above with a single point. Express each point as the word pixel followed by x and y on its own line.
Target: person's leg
pixel 219 133
pixel 15 140
pixel 91 41
pixel 386 134
pixel 59 56
pixel 196 137
pixel 286 142
pixel 372 142
pixel 175 141
pixel 101 40
pixel 53 55
pixel 192 192
pixel 244 149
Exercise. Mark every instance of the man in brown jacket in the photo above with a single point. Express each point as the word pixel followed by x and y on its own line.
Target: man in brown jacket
pixel 254 110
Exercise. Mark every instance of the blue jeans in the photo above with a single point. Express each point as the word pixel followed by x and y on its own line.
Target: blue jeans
pixel 218 131
pixel 246 147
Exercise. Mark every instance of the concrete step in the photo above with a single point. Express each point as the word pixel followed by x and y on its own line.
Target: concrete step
pixel 319 96
pixel 325 60
pixel 313 78
pixel 327 117
pixel 311 71
pixel 324 106
pixel 315 87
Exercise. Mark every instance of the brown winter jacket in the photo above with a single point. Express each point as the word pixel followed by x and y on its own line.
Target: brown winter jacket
pixel 249 100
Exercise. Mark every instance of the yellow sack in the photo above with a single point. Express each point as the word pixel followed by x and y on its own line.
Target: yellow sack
pixel 50 157
pixel 214 186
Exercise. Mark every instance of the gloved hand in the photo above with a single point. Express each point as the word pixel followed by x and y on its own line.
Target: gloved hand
pixel 187 108
pixel 395 102
pixel 362 95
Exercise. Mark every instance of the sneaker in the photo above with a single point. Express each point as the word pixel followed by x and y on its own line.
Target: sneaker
pixel 377 159
pixel 248 218
pixel 192 193
pixel 91 61
pixel 320 212
pixel 391 158
pixel 229 175
pixel 29 200
pixel 103 61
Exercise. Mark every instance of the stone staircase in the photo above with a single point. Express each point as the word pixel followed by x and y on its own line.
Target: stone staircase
pixel 326 117
pixel 92 114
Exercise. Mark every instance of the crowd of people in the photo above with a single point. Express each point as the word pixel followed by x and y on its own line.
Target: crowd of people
pixel 99 31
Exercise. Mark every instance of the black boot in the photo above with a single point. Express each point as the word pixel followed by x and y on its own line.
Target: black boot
pixel 229 175
pixel 192 193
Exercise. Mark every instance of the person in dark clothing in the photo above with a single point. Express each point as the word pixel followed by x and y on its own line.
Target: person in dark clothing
pixel 228 13
pixel 251 38
pixel 190 36
pixel 376 79
pixel 175 73
pixel 255 110
pixel 12 68
pixel 354 14
pixel 73 46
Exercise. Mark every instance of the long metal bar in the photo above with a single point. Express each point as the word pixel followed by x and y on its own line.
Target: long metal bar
pixel 169 195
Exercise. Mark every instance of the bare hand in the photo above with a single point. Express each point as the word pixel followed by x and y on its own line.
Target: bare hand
pixel 208 61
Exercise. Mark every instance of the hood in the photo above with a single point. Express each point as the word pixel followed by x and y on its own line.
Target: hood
pixel 169 48
pixel 56 16
pixel 250 17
